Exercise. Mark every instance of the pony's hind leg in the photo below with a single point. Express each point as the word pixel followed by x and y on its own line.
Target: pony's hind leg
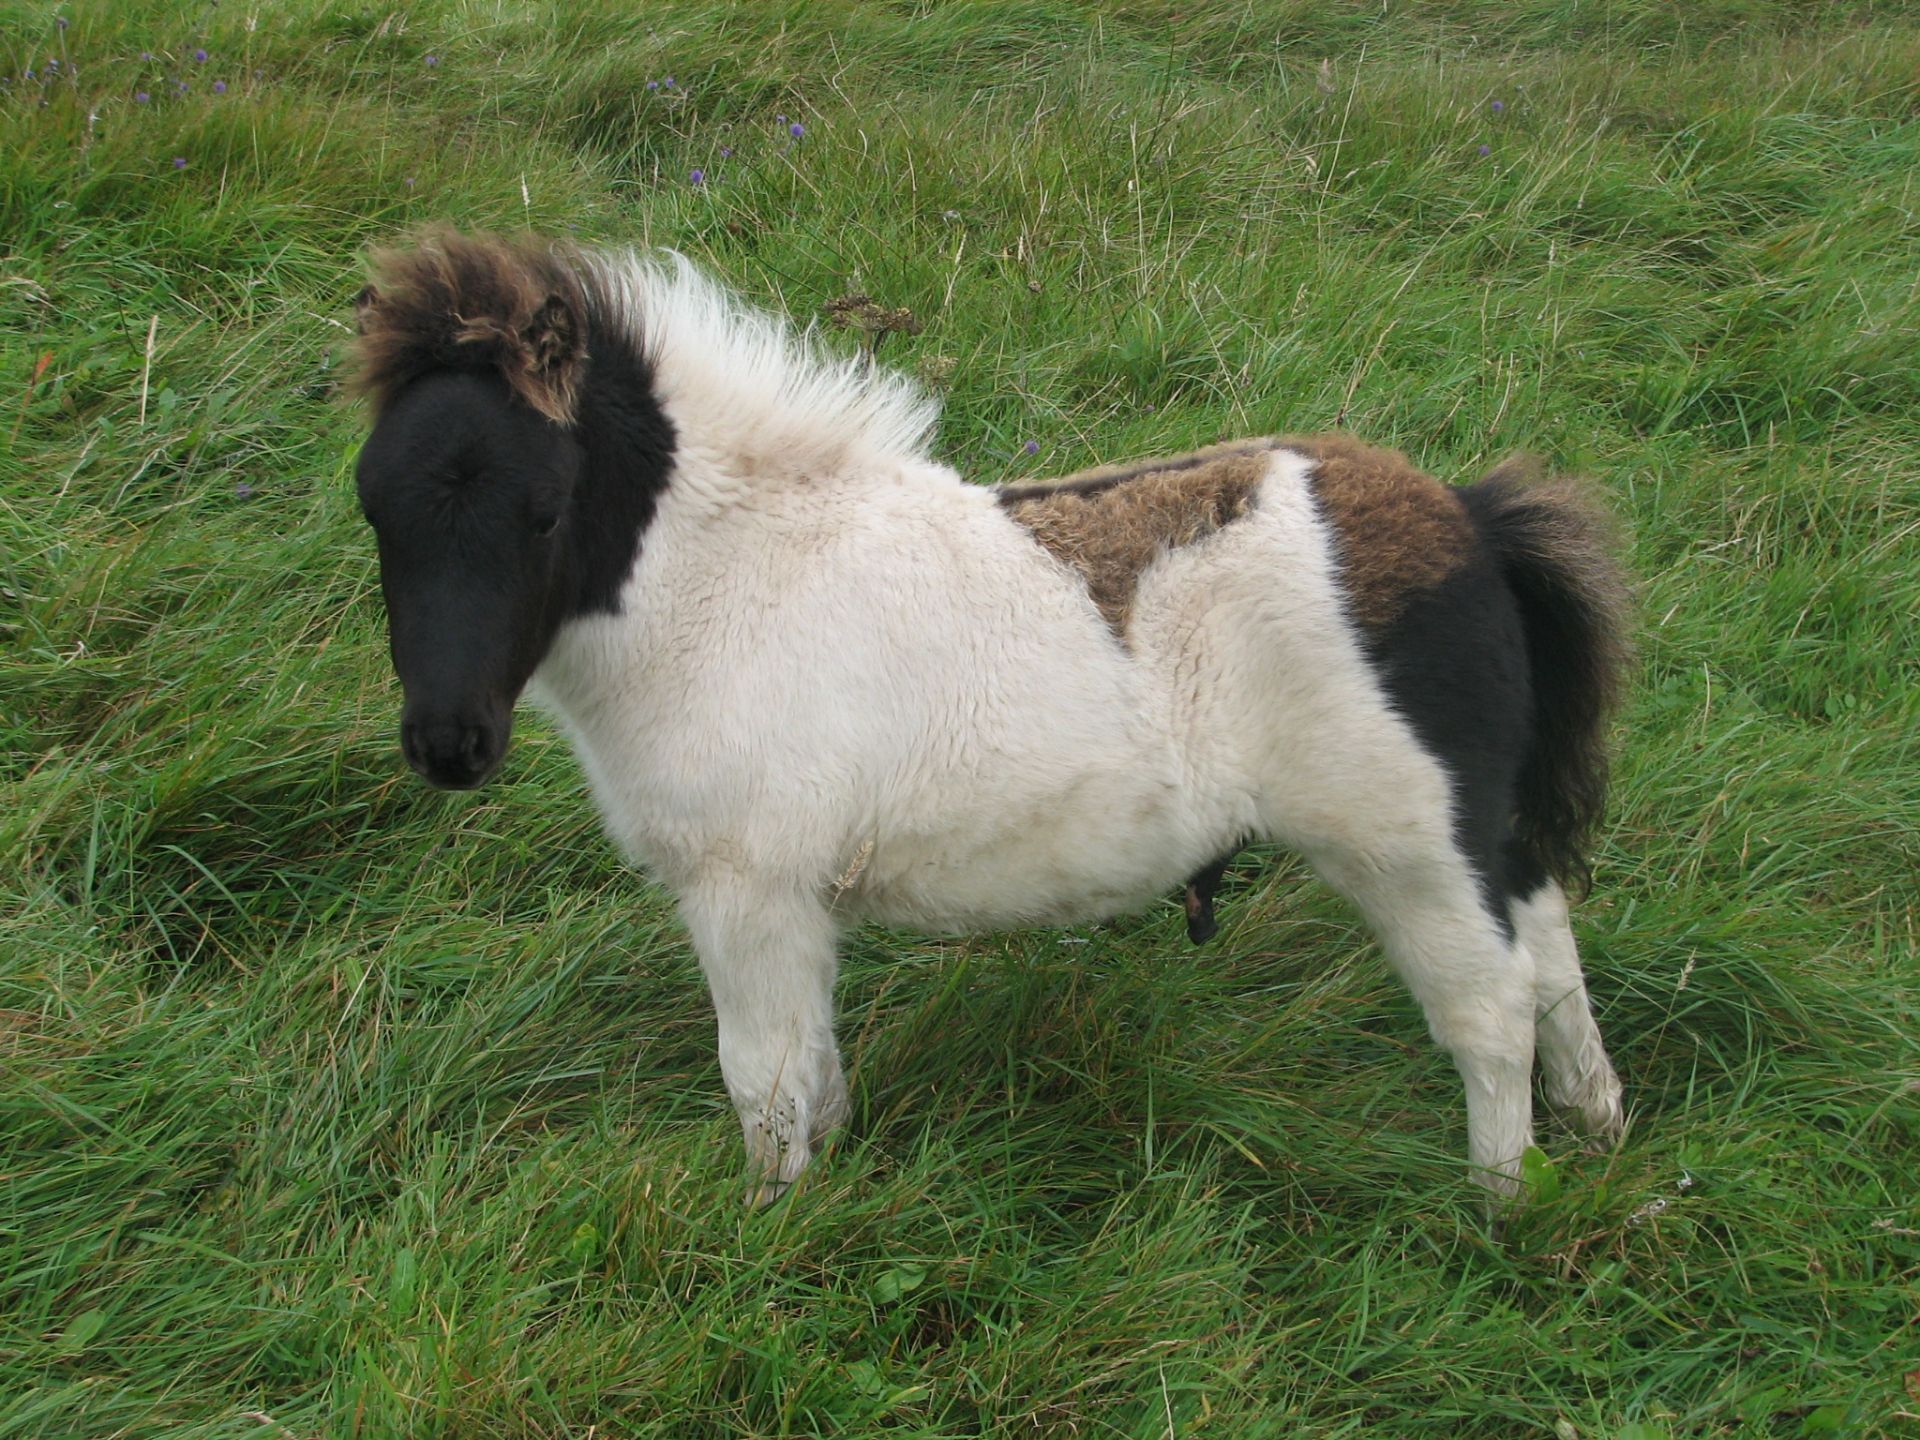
pixel 768 953
pixel 1473 980
pixel 1579 1078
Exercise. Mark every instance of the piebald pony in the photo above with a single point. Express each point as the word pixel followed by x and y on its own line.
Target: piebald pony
pixel 815 676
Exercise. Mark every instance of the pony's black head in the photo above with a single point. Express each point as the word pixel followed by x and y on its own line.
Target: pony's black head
pixel 467 493
pixel 507 479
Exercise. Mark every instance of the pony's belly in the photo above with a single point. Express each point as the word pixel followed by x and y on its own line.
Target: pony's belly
pixel 952 900
pixel 1057 864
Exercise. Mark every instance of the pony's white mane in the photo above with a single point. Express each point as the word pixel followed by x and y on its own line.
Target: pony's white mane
pixel 743 387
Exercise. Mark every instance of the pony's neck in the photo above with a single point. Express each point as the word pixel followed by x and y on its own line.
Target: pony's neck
pixel 752 405
pixel 629 445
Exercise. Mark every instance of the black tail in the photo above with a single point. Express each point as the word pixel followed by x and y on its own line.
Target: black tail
pixel 1557 551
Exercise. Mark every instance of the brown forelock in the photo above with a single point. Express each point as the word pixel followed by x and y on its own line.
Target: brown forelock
pixel 1397 529
pixel 1109 525
pixel 474 302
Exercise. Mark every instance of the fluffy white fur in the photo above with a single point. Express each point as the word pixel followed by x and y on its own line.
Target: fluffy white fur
pixel 845 684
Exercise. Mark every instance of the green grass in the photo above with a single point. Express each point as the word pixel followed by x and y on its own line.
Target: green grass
pixel 330 1106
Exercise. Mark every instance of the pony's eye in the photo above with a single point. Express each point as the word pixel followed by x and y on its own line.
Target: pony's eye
pixel 545 526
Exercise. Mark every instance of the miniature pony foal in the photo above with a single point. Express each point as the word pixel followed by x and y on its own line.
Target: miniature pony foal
pixel 815 676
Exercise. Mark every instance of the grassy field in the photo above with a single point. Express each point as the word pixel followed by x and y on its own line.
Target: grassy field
pixel 333 1106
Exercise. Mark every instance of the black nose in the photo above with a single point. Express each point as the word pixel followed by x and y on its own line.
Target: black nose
pixel 452 754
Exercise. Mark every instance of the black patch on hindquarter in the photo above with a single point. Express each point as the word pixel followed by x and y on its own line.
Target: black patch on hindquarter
pixel 1454 665
pixel 1496 616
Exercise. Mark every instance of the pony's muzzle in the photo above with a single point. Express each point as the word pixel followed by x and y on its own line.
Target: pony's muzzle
pixel 453 754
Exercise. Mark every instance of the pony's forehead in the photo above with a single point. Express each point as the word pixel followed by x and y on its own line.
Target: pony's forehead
pixel 458 433
pixel 437 413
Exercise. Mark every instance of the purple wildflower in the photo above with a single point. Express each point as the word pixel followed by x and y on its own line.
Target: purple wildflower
pixel 1032 447
pixel 796 130
pixel 201 56
pixel 219 87
pixel 431 61
pixel 1498 106
pixel 63 22
pixel 179 162
pixel 409 182
pixel 26 74
pixel 146 54
pixel 667 84
pixel 181 86
pixel 1486 149
pixel 698 177
pixel 141 97
pixel 779 119
pixel 243 491
pixel 726 152
pixel 653 84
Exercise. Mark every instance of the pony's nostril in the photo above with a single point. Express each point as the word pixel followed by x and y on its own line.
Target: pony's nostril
pixel 447 753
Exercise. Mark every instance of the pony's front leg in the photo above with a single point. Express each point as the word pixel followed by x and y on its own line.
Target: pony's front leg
pixel 768 953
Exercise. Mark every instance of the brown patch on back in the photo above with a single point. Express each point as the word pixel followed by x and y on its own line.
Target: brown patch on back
pixel 1110 523
pixel 1397 529
pixel 474 302
pixel 1102 477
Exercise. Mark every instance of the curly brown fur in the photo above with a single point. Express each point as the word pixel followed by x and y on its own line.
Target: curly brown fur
pixel 1103 477
pixel 474 302
pixel 1397 529
pixel 1111 524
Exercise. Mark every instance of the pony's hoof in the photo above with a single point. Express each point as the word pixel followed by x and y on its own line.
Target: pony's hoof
pixel 1597 1113
pixel 766 1192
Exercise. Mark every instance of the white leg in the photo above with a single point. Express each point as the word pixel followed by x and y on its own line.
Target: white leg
pixel 830 1105
pixel 768 954
pixel 1475 986
pixel 1573 1060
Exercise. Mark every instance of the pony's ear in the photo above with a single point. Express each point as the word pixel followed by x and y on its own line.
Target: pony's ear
pixel 552 340
pixel 550 347
pixel 363 305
